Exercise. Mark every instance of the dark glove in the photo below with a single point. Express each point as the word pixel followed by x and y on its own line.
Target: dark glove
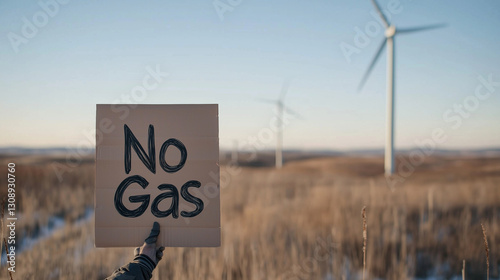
pixel 149 247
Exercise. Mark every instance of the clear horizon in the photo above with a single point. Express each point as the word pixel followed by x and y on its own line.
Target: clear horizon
pixel 74 149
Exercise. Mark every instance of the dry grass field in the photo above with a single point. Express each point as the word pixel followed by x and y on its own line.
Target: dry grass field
pixel 300 222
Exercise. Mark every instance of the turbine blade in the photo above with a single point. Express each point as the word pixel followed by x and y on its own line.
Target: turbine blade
pixel 372 64
pixel 379 11
pixel 420 28
pixel 292 112
pixel 284 88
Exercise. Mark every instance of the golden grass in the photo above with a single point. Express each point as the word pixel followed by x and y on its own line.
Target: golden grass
pixel 300 222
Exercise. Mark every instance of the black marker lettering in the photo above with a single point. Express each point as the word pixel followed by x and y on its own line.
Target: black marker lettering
pixel 124 211
pixel 169 190
pixel 130 141
pixel 163 151
pixel 190 198
pixel 174 206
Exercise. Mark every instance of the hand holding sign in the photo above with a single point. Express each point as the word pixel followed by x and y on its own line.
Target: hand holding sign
pixel 149 248
pixel 145 260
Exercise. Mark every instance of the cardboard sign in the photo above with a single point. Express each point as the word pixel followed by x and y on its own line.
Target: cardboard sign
pixel 157 163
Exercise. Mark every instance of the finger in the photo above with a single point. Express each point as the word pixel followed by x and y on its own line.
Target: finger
pixel 153 236
pixel 136 251
pixel 159 253
pixel 159 256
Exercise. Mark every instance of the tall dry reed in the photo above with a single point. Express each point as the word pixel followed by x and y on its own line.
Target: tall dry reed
pixel 487 249
pixel 463 270
pixel 363 215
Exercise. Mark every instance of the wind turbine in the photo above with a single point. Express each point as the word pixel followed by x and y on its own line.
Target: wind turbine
pixel 281 109
pixel 390 33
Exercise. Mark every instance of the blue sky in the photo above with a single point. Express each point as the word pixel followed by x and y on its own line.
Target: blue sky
pixel 92 52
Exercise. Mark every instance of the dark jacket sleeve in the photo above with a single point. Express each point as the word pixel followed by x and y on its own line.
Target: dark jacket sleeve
pixel 141 268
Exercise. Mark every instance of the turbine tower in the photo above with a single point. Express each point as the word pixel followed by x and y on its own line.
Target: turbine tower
pixel 280 109
pixel 390 34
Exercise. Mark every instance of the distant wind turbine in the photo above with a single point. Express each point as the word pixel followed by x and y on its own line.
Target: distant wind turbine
pixel 390 33
pixel 281 108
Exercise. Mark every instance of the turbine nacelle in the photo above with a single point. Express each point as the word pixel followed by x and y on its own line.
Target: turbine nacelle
pixel 390 31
